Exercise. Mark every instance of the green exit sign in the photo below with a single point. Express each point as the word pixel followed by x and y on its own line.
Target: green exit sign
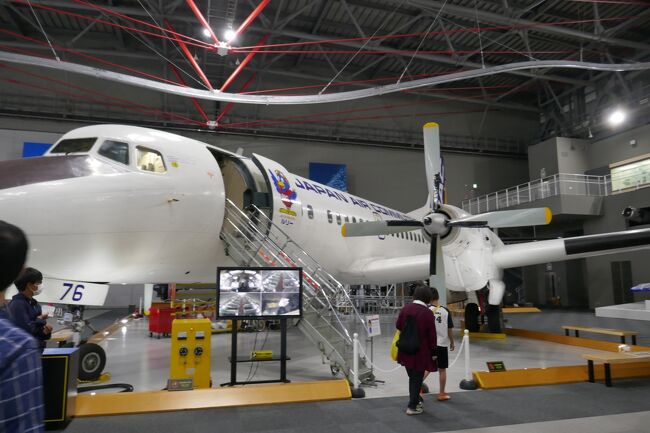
pixel 496 366
pixel 179 384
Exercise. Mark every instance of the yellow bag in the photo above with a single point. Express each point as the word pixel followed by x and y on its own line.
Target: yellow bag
pixel 393 346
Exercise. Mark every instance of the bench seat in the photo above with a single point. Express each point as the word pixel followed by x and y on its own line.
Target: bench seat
pixel 613 358
pixel 607 331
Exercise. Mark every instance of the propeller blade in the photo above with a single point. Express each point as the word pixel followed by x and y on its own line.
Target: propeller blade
pixel 510 218
pixel 470 224
pixel 376 228
pixel 437 270
pixel 433 255
pixel 433 164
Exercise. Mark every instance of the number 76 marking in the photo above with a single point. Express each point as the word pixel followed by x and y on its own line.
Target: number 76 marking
pixel 77 293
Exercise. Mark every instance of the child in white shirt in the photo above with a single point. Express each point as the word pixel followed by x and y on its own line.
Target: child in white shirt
pixel 444 326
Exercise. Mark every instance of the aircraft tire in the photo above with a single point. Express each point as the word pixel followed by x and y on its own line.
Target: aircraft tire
pixel 493 314
pixel 92 360
pixel 472 317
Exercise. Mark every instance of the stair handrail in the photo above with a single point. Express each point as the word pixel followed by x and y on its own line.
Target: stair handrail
pixel 315 271
pixel 319 269
pixel 263 238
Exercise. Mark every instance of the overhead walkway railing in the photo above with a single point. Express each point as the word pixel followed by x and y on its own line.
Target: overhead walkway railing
pixel 329 316
pixel 551 186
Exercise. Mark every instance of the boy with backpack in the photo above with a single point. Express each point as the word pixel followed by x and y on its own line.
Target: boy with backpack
pixel 445 339
pixel 416 345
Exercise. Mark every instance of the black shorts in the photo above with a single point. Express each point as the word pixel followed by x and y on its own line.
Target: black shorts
pixel 443 356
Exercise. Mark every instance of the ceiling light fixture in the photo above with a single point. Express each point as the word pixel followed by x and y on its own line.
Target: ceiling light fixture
pixel 206 32
pixel 229 35
pixel 616 117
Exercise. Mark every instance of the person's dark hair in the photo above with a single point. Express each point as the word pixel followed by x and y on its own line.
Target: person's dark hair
pixel 13 252
pixel 30 275
pixel 434 294
pixel 422 293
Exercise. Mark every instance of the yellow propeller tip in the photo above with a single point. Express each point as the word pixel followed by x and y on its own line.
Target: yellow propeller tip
pixel 430 125
pixel 549 215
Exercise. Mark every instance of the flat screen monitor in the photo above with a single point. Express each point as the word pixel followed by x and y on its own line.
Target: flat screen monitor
pixel 259 293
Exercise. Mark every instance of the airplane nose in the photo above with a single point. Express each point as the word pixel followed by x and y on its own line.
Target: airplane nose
pixel 29 171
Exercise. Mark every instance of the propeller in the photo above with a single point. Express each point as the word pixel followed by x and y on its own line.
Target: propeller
pixel 437 223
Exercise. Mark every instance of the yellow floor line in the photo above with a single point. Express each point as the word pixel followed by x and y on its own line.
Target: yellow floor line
pixel 165 401
pixel 572 341
pixel 556 375
pixel 110 330
pixel 510 310
pixel 487 335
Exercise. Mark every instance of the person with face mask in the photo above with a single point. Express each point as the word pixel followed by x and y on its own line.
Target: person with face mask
pixel 25 311
pixel 21 376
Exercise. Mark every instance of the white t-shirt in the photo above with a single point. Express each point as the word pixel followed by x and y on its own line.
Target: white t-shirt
pixel 443 322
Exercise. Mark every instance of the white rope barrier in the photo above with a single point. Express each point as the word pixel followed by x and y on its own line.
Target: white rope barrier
pixel 376 367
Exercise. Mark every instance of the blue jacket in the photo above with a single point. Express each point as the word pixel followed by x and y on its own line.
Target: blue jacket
pixel 24 313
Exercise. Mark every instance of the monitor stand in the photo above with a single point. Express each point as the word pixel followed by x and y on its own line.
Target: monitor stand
pixel 234 359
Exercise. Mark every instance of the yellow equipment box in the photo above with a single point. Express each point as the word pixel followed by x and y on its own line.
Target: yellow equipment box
pixel 190 353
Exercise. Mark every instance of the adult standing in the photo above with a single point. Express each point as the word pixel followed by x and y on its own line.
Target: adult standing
pixel 25 311
pixel 21 378
pixel 422 360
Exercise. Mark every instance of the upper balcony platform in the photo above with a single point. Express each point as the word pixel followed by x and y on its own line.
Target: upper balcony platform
pixel 565 194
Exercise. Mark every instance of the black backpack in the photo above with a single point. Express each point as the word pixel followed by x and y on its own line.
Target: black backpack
pixel 408 342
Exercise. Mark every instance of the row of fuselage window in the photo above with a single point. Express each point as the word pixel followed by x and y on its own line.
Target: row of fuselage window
pixel 340 219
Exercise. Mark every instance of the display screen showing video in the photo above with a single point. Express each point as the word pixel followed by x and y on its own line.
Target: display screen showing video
pixel 258 293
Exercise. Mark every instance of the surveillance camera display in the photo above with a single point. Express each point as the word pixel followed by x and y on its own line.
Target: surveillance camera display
pixel 259 292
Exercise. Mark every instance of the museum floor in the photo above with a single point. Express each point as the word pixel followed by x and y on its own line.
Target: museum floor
pixel 135 358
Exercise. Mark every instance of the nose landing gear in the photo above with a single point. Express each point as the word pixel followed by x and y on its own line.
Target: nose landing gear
pixel 92 358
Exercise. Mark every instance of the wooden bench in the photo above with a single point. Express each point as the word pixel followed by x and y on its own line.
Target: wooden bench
pixel 618 332
pixel 613 358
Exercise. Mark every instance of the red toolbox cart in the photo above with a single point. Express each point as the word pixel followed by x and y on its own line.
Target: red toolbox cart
pixel 160 321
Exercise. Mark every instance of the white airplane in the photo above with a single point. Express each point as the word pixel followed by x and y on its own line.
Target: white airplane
pixel 123 204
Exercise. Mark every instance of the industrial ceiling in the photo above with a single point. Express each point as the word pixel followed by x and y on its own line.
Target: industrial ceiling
pixel 306 47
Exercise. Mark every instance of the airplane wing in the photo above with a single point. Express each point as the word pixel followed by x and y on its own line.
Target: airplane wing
pixel 531 253
pixel 382 270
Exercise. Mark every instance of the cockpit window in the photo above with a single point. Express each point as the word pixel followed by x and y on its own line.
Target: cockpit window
pixel 74 145
pixel 150 160
pixel 115 150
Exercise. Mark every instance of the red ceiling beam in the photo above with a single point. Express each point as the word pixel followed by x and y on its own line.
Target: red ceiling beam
pixel 202 20
pixel 194 101
pixel 228 106
pixel 190 57
pixel 243 64
pixel 258 10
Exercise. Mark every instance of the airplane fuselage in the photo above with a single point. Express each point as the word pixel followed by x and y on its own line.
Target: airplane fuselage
pixel 156 214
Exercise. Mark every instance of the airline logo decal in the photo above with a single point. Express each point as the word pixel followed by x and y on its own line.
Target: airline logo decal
pixel 283 187
pixel 347 198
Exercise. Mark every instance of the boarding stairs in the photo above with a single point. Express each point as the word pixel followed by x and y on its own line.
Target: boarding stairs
pixel 329 316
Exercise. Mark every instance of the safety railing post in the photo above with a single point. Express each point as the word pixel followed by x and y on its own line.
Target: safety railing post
pixel 468 382
pixel 357 392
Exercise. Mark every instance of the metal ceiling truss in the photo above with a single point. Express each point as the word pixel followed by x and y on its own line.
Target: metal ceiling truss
pixel 527 21
pixel 310 99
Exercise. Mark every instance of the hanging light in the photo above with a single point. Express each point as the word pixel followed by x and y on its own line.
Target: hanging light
pixel 229 35
pixel 206 32
pixel 616 117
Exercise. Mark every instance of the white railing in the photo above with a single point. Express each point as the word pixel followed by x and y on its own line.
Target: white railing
pixel 558 184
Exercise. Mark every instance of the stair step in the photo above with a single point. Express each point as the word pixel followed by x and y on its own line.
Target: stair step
pixel 246 246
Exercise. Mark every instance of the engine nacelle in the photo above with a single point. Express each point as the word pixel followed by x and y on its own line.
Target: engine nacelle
pixel 468 254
